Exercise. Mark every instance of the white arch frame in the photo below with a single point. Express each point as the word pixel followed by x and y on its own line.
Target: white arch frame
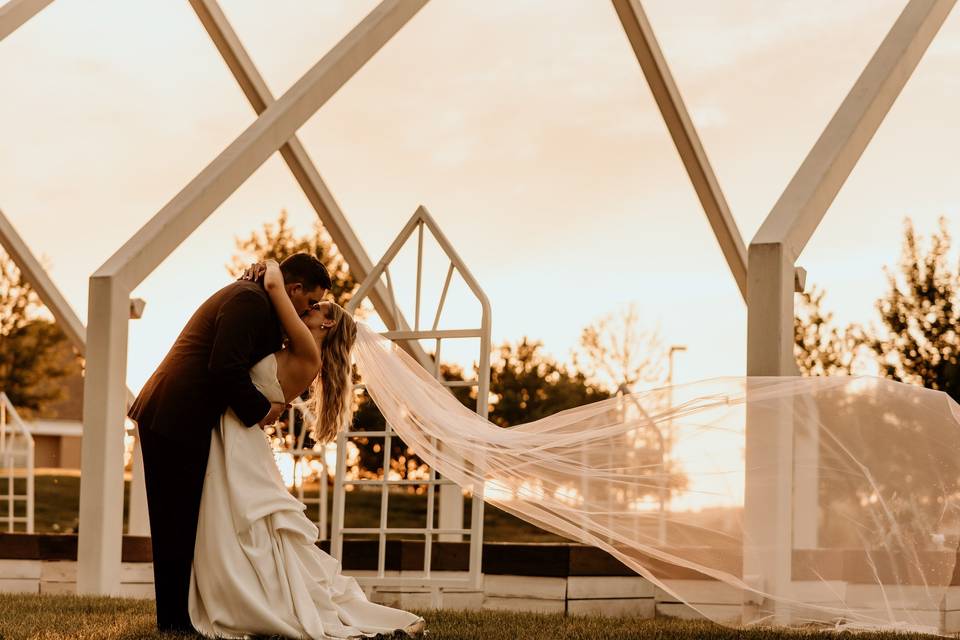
pixel 16 447
pixel 450 516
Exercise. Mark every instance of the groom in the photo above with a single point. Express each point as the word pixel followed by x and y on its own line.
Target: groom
pixel 206 372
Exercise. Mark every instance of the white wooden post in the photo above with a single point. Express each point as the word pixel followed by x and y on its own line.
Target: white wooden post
pixel 768 491
pixel 104 412
pixel 781 501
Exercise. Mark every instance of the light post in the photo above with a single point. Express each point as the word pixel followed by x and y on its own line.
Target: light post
pixel 675 348
pixel 666 446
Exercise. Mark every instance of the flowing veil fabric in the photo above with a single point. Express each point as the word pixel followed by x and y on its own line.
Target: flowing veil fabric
pixel 753 500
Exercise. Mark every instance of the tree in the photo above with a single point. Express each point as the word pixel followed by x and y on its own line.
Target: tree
pixel 34 353
pixel 920 314
pixel 529 385
pixel 404 462
pixel 820 348
pixel 916 344
pixel 277 241
pixel 619 352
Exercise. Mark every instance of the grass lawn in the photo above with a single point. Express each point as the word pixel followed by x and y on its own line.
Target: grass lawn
pixel 63 617
pixel 57 503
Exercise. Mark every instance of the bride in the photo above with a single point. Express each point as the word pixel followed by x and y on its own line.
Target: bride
pixel 257 569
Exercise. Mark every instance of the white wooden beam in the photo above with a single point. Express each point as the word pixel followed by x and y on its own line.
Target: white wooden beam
pixel 14 13
pixel 101 454
pixel 257 92
pixel 34 273
pixel 804 202
pixel 275 126
pixel 684 133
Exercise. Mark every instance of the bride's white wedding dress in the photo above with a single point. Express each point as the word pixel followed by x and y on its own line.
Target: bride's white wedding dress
pixel 257 569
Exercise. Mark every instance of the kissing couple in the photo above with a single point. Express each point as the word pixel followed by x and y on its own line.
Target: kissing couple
pixel 234 555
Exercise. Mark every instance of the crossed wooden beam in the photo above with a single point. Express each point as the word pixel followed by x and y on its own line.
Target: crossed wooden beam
pixel 765 273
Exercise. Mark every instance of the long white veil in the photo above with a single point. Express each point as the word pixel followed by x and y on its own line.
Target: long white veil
pixel 753 500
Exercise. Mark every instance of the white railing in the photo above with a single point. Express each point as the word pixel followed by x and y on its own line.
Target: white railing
pixel 16 469
pixel 302 467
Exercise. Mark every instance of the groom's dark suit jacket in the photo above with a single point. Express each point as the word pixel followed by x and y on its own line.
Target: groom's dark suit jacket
pixel 208 367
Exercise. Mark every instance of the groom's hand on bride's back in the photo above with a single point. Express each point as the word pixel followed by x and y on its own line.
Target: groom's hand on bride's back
pixel 254 272
pixel 276 410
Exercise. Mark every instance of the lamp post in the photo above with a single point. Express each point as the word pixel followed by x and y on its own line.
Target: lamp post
pixel 666 446
pixel 675 348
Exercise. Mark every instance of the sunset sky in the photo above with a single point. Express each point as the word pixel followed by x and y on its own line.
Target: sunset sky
pixel 525 127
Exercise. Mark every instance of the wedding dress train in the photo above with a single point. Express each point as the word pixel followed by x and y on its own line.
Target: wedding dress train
pixel 796 500
pixel 793 500
pixel 257 569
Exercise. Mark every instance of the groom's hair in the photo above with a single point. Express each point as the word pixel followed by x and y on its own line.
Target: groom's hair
pixel 307 270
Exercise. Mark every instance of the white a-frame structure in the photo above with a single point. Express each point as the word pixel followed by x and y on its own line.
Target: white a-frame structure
pixel 765 272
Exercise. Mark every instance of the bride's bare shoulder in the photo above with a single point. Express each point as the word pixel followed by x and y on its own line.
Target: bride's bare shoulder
pixel 293 374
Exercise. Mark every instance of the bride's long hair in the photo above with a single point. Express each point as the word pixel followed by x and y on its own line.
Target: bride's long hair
pixel 331 397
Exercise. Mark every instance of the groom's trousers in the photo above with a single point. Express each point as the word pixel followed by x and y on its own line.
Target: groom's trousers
pixel 174 473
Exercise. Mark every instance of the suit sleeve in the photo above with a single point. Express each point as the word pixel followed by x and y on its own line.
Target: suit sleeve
pixel 240 320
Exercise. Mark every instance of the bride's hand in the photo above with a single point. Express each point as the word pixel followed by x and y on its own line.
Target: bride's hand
pixel 254 273
pixel 272 277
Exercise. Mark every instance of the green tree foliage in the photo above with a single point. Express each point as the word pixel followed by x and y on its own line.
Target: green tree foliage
pixel 278 240
pixel 525 385
pixel 917 343
pixel 529 385
pixel 820 348
pixel 34 353
pixel 920 315
pixel 403 460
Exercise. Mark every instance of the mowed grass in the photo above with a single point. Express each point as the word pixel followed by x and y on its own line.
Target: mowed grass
pixel 57 504
pixel 62 617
